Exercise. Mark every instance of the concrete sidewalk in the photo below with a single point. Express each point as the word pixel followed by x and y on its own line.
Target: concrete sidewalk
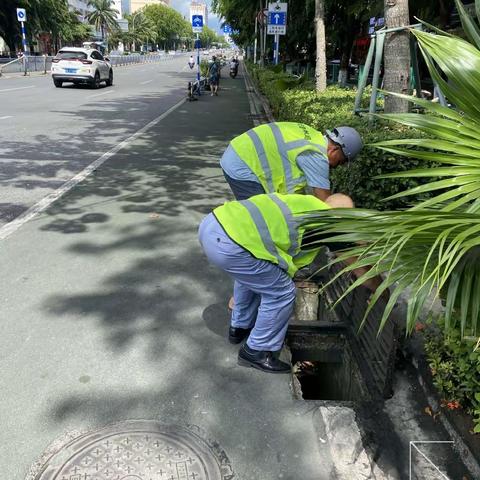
pixel 110 311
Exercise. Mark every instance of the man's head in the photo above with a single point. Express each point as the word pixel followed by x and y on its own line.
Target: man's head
pixel 339 200
pixel 214 58
pixel 344 143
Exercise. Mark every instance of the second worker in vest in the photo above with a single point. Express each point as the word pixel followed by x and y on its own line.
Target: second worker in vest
pixel 261 243
pixel 286 157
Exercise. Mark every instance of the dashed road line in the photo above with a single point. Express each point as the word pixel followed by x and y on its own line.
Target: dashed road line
pixel 100 94
pixel 16 88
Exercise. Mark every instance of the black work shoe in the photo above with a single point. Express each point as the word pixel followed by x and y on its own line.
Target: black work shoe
pixel 264 361
pixel 237 335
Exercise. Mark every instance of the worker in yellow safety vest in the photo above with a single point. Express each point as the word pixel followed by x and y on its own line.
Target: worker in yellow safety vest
pixel 286 157
pixel 261 242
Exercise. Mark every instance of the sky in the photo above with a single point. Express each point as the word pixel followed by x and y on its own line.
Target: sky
pixel 183 6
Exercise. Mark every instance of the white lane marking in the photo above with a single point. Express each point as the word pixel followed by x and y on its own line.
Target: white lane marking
pixel 17 88
pixel 45 202
pixel 99 94
pixel 4 118
pixel 147 81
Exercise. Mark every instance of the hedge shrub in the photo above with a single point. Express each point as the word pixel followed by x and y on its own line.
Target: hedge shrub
pixel 294 101
pixel 455 368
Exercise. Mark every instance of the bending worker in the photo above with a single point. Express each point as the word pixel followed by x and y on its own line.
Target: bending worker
pixel 285 157
pixel 259 243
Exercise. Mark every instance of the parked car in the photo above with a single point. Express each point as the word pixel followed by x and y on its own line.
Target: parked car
pixel 81 65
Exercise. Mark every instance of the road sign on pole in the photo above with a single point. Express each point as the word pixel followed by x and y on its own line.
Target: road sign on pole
pixel 277 24
pixel 22 18
pixel 197 23
pixel 21 15
pixel 277 18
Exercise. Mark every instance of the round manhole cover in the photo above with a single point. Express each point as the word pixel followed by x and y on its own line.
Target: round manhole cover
pixel 138 450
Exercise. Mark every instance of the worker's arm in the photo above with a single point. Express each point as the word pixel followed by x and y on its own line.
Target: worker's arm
pixel 321 193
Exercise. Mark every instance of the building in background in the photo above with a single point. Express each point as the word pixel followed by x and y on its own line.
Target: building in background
pixel 138 4
pixel 199 8
pixel 81 7
pixel 126 9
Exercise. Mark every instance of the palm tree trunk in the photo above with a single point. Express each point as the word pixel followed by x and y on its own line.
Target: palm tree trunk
pixel 321 68
pixel 397 55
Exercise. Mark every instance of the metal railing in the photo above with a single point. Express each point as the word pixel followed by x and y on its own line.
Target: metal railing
pixel 27 64
pixel 121 60
pixel 43 63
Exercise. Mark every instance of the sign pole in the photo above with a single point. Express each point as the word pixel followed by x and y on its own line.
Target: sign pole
pixel 255 43
pixel 197 27
pixel 24 42
pixel 198 63
pixel 277 41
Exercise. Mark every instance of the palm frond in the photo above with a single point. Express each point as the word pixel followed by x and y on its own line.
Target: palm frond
pixel 421 250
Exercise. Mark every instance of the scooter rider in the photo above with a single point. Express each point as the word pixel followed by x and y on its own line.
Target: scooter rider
pixel 233 67
pixel 191 62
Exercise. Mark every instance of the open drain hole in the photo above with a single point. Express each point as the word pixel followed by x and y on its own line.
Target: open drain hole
pixel 324 368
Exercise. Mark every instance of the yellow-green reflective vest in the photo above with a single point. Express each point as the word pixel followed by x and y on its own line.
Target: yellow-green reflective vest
pixel 268 226
pixel 271 152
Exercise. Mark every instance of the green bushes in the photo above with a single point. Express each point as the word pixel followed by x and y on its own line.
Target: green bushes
pixel 295 100
pixel 455 369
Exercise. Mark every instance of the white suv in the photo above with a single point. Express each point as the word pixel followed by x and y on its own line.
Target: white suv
pixel 81 65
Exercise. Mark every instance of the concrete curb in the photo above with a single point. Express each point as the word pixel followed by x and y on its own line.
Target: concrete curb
pixel 258 100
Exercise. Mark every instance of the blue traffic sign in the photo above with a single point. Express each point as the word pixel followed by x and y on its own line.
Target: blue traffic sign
pixel 277 18
pixel 21 14
pixel 197 20
pixel 227 29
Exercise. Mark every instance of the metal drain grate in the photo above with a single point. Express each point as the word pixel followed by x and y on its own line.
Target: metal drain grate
pixel 374 353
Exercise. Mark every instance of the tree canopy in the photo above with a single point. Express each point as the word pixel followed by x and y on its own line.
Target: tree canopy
pixel 167 23
pixel 52 16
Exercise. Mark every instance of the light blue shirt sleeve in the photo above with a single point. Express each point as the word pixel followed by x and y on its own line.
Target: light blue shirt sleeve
pixel 316 168
pixel 235 167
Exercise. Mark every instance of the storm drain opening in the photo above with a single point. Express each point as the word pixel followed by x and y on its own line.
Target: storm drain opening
pixel 324 368
pixel 337 351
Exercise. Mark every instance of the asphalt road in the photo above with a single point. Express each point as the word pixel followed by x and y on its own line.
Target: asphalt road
pixel 48 134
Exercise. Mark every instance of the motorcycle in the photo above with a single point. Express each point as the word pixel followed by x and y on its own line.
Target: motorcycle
pixel 234 71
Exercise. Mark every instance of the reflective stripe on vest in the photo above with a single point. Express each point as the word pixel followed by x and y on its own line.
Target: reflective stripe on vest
pixel 262 228
pixel 291 222
pixel 262 157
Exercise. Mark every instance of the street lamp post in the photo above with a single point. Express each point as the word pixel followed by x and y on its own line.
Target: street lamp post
pixel 134 16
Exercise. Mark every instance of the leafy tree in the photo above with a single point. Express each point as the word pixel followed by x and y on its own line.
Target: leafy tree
pixel 344 23
pixel 43 16
pixel 72 31
pixel 240 14
pixel 167 23
pixel 103 17
pixel 208 37
pixel 140 29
